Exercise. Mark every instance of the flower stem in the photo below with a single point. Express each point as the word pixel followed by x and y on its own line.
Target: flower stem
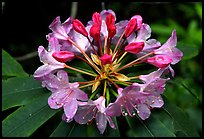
pixel 118 42
pixel 92 46
pixel 87 85
pixel 85 55
pixel 86 82
pixel 122 82
pixel 72 68
pixel 121 57
pixel 105 45
pixel 119 49
pixel 133 62
pixel 104 90
pixel 100 47
pixel 135 77
pixel 113 83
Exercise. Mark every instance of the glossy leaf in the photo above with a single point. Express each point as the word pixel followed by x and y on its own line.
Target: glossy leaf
pixel 158 125
pixel 25 120
pixel 20 91
pixel 62 129
pixel 181 121
pixel 10 67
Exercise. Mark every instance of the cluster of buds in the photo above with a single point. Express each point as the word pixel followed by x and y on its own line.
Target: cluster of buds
pixel 104 45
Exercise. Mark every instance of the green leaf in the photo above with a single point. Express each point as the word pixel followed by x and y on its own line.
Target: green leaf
pixel 189 51
pixel 62 129
pixel 113 132
pixel 138 128
pixel 198 8
pixel 10 67
pixel 25 120
pixel 20 91
pixel 181 121
pixel 158 125
pixel 75 130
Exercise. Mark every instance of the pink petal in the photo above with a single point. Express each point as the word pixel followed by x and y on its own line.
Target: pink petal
pixel 101 122
pixel 143 111
pixel 160 61
pixel 84 114
pixel 70 107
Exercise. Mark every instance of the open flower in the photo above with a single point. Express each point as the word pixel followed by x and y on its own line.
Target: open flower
pixel 111 52
pixel 169 48
pixel 50 63
pixel 64 94
pixel 94 109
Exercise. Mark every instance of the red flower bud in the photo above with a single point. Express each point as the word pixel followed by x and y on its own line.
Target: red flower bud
pixel 106 59
pixel 134 47
pixel 110 23
pixel 132 24
pixel 95 32
pixel 160 61
pixel 97 19
pixel 63 56
pixel 139 21
pixel 110 19
pixel 79 27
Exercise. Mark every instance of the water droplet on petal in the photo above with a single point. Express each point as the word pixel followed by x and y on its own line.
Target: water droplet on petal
pixel 96 123
pixel 83 117
pixel 58 103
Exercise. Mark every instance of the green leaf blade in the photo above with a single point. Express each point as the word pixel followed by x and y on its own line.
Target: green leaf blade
pixel 20 91
pixel 10 67
pixel 25 120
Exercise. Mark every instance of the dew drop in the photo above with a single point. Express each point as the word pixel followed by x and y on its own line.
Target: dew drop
pixel 58 103
pixel 30 114
pixel 96 123
pixel 133 114
pixel 83 117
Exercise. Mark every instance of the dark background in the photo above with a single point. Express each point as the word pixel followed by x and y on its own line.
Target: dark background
pixel 25 25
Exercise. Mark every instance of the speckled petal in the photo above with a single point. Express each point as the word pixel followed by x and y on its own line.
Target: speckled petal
pixel 143 111
pixel 70 107
pixel 101 122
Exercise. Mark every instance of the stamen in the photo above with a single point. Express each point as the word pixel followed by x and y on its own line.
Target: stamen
pixel 104 90
pixel 133 62
pixel 118 42
pixel 85 55
pixel 72 68
pixel 83 86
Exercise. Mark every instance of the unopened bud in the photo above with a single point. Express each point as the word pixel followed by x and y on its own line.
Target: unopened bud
pixel 63 56
pixel 160 61
pixel 96 17
pixel 79 27
pixel 110 23
pixel 139 21
pixel 134 47
pixel 95 32
pixel 132 24
pixel 106 59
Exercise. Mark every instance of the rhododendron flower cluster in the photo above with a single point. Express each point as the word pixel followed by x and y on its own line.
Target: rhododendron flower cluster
pixel 104 44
